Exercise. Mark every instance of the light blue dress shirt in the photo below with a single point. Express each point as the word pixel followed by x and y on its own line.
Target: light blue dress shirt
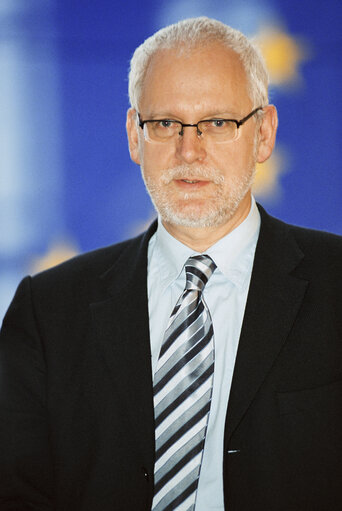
pixel 225 295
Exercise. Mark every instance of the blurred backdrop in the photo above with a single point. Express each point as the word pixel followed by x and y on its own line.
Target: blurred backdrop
pixel 67 184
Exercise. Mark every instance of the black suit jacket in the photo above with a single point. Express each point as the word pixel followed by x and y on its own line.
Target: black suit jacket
pixel 76 417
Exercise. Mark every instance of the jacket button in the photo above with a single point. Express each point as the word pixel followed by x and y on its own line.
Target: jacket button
pixel 144 471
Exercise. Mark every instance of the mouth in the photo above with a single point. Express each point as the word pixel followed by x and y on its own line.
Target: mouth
pixel 191 184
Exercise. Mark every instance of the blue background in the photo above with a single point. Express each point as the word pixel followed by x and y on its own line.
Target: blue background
pixel 67 184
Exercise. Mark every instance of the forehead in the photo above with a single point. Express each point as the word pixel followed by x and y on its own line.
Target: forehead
pixel 195 80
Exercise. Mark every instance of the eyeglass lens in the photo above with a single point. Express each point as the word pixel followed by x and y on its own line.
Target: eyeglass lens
pixel 217 129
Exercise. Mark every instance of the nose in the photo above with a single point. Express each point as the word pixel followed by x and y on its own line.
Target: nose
pixel 190 147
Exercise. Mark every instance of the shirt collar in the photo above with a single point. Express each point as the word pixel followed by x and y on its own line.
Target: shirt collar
pixel 233 254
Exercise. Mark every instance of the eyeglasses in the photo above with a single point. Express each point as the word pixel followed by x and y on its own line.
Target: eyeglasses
pixel 217 130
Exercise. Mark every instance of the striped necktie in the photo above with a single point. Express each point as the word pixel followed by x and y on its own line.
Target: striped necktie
pixel 182 393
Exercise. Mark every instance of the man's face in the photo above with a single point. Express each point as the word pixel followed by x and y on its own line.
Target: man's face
pixel 196 182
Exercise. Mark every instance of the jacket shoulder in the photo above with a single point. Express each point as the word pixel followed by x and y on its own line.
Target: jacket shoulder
pixel 88 264
pixel 321 244
pixel 319 251
pixel 81 278
pixel 306 237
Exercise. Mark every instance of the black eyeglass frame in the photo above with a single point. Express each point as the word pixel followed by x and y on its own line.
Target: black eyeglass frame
pixel 184 125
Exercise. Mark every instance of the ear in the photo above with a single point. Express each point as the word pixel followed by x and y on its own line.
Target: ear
pixel 267 133
pixel 133 136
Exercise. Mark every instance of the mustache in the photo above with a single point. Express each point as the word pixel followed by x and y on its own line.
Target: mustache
pixel 187 172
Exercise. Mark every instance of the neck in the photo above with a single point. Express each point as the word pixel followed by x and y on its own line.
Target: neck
pixel 200 239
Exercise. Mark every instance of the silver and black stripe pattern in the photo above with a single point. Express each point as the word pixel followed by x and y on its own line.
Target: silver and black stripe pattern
pixel 182 393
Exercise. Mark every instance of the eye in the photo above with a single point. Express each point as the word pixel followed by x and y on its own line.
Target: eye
pixel 218 123
pixel 215 125
pixel 165 123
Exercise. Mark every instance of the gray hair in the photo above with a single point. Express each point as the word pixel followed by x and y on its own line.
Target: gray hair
pixel 193 33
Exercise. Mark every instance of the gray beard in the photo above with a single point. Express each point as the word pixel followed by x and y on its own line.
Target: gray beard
pixel 218 209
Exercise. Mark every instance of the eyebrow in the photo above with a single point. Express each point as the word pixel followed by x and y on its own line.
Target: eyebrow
pixel 211 115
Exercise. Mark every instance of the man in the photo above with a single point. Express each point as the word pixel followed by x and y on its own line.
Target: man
pixel 235 401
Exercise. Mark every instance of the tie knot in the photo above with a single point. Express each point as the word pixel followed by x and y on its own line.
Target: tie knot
pixel 198 270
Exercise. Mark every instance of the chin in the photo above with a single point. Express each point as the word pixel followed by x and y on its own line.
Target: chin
pixel 195 215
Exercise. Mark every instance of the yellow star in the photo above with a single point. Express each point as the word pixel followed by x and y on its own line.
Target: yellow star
pixel 57 253
pixel 283 55
pixel 266 184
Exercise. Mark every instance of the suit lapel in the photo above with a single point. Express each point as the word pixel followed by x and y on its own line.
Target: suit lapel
pixel 122 335
pixel 122 325
pixel 274 298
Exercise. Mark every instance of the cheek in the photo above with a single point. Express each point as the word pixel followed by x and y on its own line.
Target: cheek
pixel 156 157
pixel 242 154
pixel 225 157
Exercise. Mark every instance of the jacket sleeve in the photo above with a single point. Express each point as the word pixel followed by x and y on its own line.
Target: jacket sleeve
pixel 26 481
